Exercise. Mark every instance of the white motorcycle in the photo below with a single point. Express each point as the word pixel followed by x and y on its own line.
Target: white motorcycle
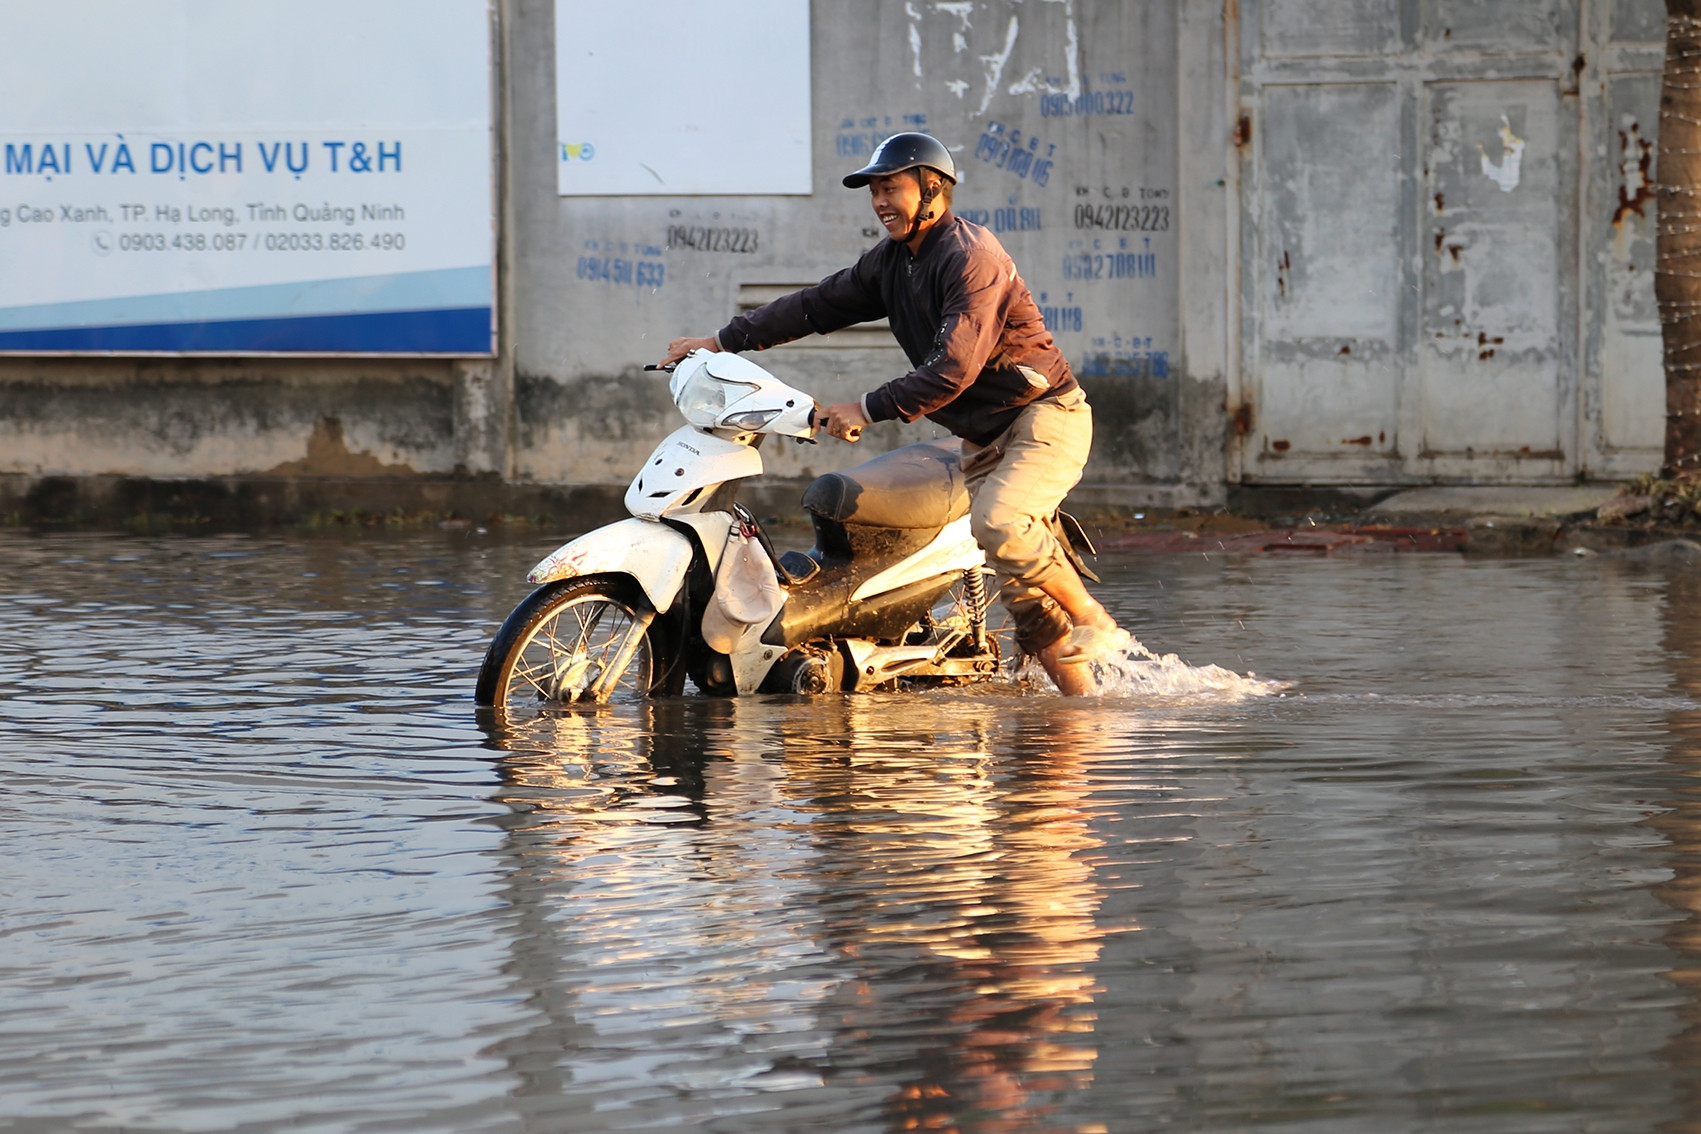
pixel 893 591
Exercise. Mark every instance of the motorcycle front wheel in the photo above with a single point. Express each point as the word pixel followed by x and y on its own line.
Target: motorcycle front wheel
pixel 560 645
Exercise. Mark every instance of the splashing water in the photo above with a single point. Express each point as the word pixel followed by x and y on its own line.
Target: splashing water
pixel 1136 671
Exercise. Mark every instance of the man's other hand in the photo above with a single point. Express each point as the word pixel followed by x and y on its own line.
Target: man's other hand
pixel 679 348
pixel 844 420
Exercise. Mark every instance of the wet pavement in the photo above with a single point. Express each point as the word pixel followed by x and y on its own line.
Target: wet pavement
pixel 261 867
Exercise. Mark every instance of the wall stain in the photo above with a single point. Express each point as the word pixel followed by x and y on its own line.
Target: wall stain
pixel 210 420
pixel 1636 173
pixel 630 406
pixel 1441 245
pixel 1134 422
pixel 328 454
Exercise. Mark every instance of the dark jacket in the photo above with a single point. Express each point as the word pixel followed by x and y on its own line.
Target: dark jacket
pixel 957 307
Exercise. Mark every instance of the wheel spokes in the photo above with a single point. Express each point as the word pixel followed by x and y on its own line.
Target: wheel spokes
pixel 585 650
pixel 602 688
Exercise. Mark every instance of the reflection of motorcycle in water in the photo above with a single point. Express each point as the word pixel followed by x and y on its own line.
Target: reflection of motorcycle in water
pixel 717 908
pixel 893 589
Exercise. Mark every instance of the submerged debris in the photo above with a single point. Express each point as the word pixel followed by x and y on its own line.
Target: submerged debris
pixel 1622 507
pixel 1653 500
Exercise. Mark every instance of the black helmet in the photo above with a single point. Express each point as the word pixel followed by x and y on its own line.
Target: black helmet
pixel 901 152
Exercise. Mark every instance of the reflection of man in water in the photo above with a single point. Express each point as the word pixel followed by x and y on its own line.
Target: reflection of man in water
pixel 960 890
pixel 985 368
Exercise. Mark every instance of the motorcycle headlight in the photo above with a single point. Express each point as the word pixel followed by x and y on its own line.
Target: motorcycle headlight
pixel 703 398
pixel 749 419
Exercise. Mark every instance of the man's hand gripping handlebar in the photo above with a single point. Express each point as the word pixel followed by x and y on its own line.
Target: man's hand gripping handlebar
pixel 679 348
pixel 843 420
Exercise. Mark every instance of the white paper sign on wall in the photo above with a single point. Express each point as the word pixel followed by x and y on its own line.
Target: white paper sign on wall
pixel 682 97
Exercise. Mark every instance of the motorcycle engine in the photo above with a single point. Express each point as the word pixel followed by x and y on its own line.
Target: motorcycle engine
pixel 807 669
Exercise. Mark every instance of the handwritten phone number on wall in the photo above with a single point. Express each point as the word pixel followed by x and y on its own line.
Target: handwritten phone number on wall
pixel 1087 102
pixel 1060 319
pixel 263 242
pixel 1125 364
pixel 1122 218
pixel 620 271
pixel 1012 219
pixel 1003 148
pixel 1110 265
pixel 702 238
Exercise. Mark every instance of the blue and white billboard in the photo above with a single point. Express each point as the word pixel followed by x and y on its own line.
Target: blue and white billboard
pixel 270 176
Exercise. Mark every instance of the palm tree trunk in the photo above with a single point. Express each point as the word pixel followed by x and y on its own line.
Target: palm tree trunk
pixel 1677 279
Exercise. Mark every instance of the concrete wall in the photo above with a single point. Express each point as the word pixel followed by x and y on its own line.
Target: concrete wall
pixel 1085 93
pixel 1063 116
pixel 1141 159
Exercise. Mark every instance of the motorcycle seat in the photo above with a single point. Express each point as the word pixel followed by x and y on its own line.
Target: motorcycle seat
pixel 917 486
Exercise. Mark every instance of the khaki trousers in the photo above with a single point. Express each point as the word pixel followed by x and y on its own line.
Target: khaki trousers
pixel 1016 483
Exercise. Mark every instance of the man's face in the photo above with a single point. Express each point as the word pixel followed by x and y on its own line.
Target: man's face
pixel 897 198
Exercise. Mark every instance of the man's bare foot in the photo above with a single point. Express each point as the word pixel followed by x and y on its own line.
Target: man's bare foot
pixel 1095 635
pixel 1092 642
pixel 1064 659
pixel 1071 680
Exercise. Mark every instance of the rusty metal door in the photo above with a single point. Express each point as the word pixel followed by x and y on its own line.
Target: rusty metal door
pixel 1623 398
pixel 1414 257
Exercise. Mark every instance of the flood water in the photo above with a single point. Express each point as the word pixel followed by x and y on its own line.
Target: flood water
pixel 261 867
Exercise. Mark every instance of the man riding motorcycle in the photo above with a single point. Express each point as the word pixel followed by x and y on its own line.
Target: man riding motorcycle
pixel 986 369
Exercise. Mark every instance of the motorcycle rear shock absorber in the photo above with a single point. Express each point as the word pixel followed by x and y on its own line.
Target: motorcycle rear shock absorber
pixel 974 598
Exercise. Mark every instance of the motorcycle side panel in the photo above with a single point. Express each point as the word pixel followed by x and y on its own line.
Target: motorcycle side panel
pixel 822 608
pixel 654 554
pixel 953 549
pixel 751 665
pixel 711 529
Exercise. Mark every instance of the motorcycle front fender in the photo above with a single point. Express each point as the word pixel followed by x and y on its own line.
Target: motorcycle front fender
pixel 658 557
